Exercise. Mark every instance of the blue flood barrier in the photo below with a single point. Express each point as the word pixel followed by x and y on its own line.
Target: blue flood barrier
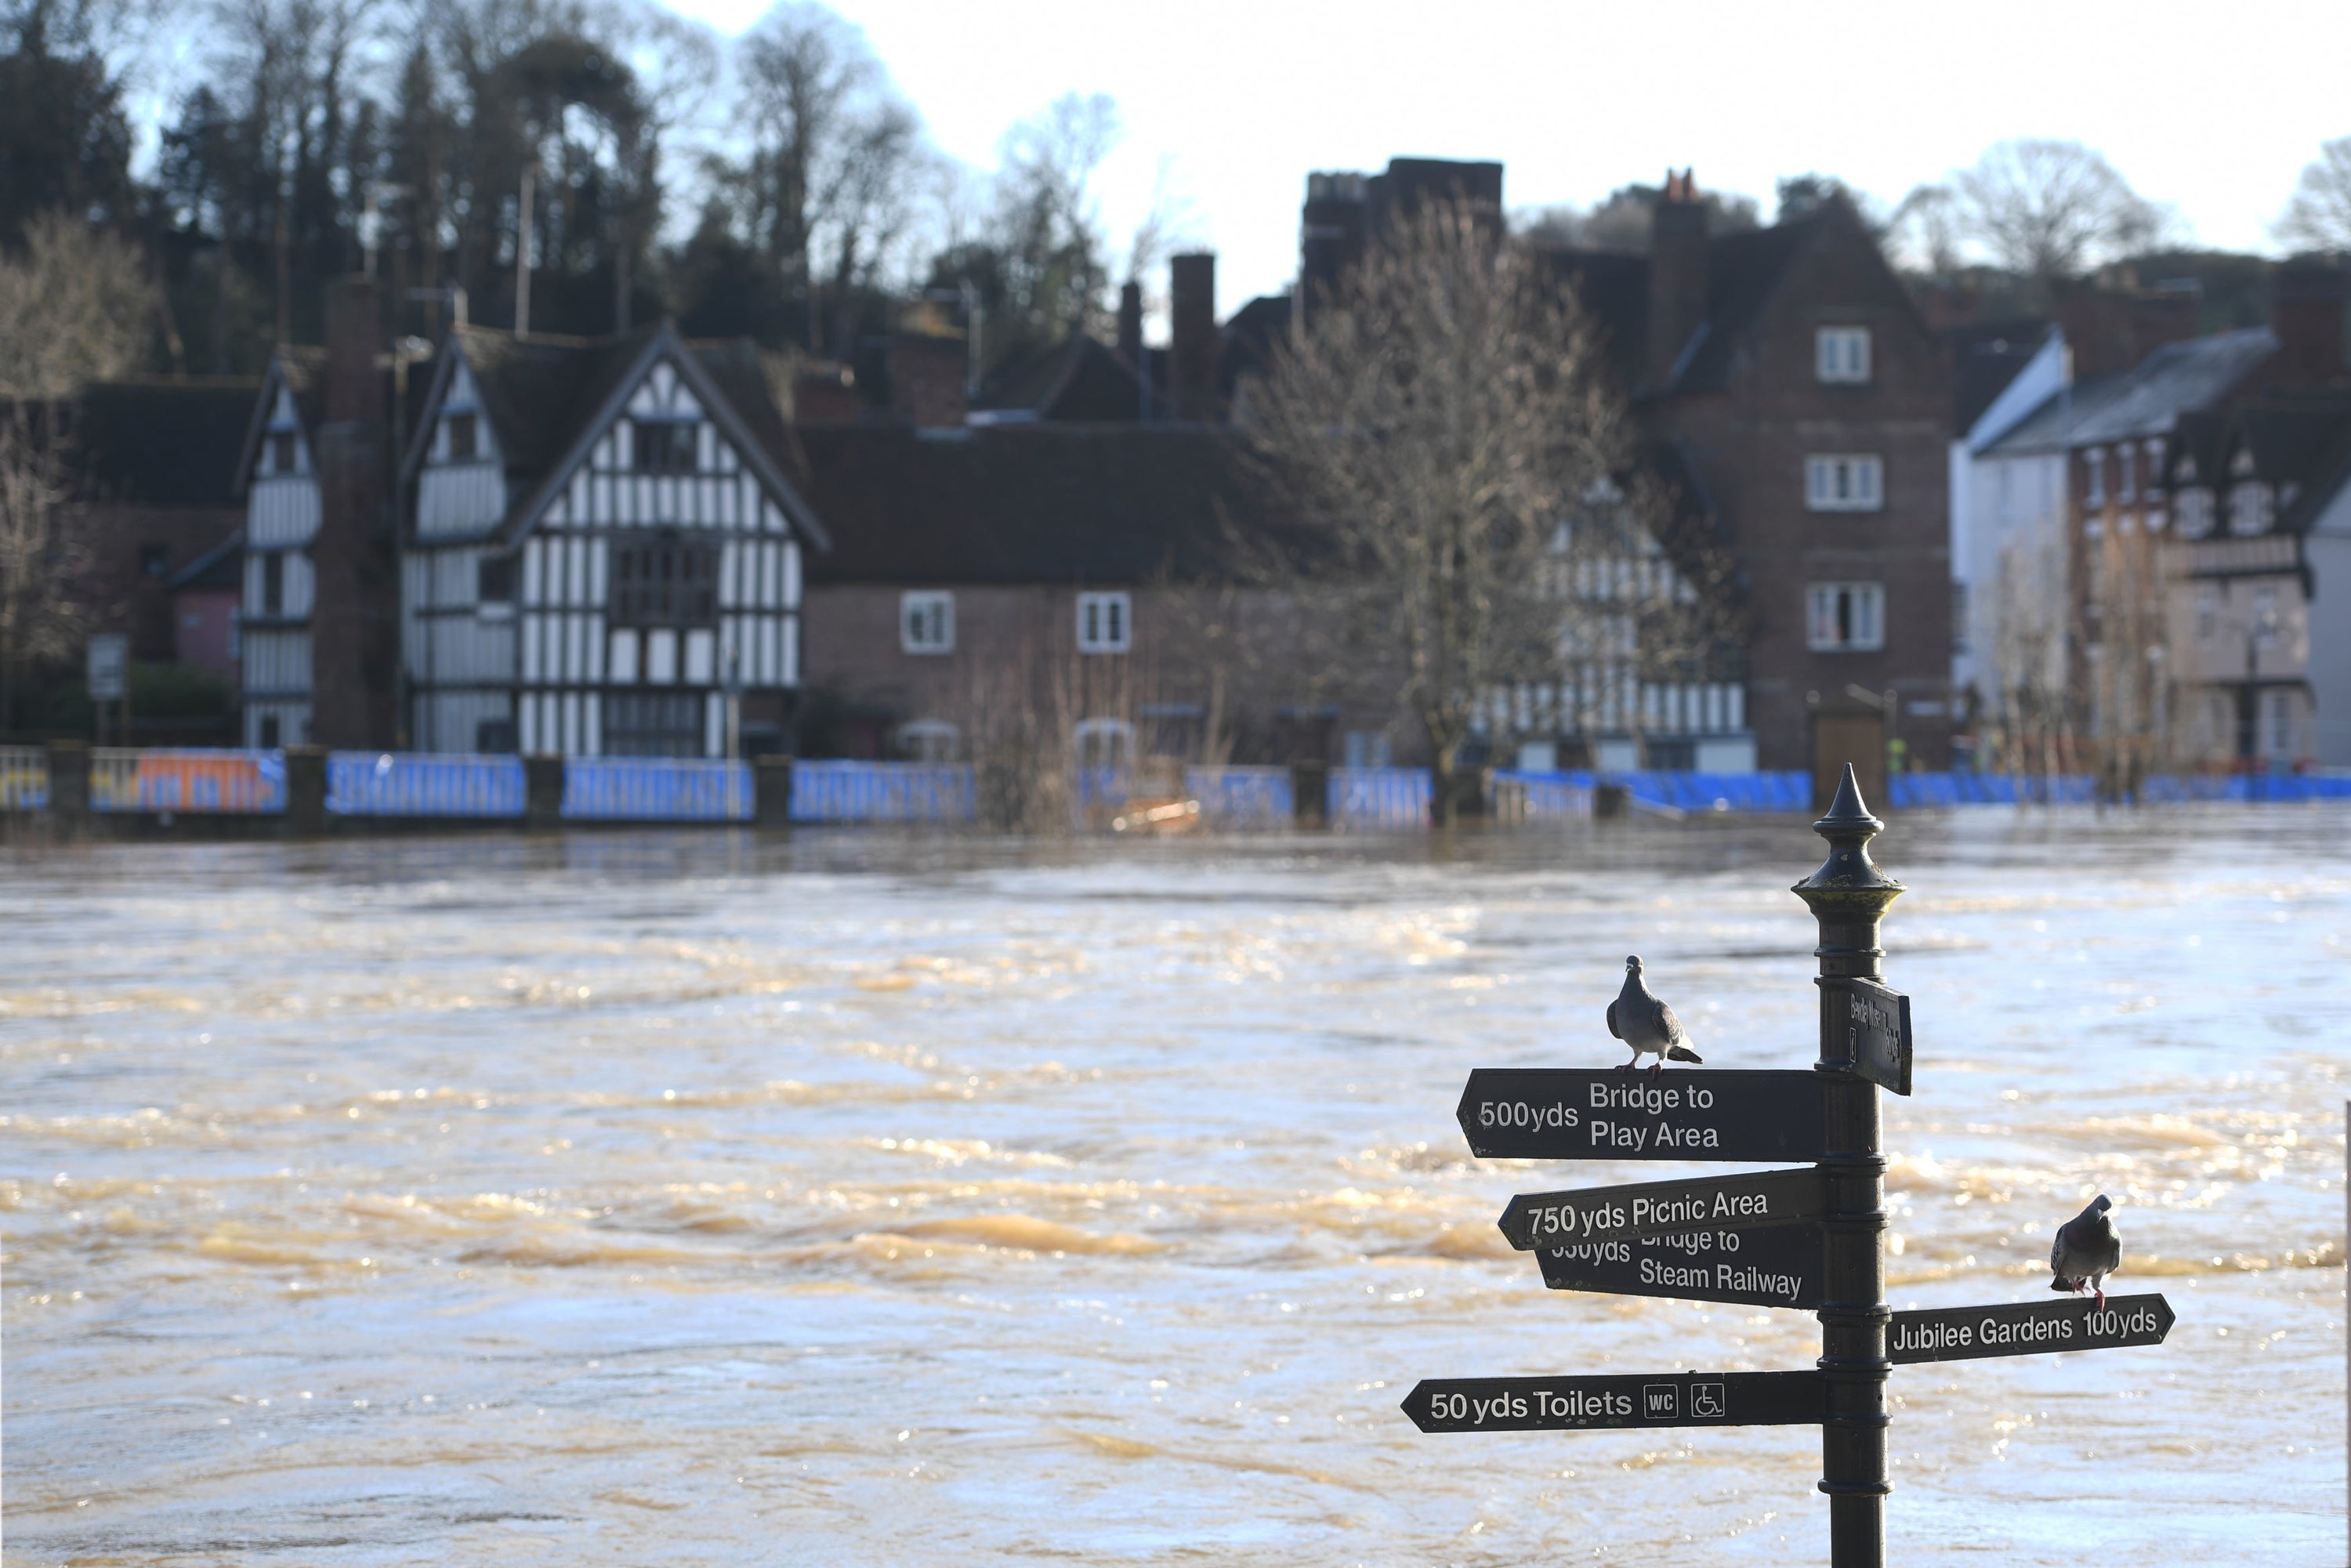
pixel 655 790
pixel 1242 799
pixel 423 784
pixel 848 791
pixel 1374 799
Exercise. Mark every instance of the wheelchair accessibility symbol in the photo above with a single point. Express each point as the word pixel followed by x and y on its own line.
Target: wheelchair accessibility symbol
pixel 1707 1400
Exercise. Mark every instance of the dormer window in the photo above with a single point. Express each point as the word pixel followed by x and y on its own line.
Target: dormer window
pixel 2194 508
pixel 2252 508
pixel 1841 353
pixel 662 446
pixel 465 439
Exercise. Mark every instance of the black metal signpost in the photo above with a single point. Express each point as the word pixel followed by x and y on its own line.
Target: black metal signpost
pixel 1809 1238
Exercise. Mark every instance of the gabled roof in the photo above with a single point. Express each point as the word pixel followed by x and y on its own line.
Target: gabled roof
pixel 159 442
pixel 1986 356
pixel 548 399
pixel 1099 504
pixel 1076 380
pixel 1744 272
pixel 2176 379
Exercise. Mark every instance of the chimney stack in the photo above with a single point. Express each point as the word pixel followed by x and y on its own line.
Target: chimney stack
pixel 1130 322
pixel 1677 276
pixel 1332 229
pixel 352 616
pixel 926 373
pixel 2306 314
pixel 1193 354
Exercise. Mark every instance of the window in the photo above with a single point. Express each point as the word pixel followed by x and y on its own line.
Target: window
pixel 2126 475
pixel 154 560
pixel 2208 611
pixel 281 452
pixel 926 622
pixel 1105 622
pixel 494 580
pixel 652 723
pixel 2252 508
pixel 464 441
pixel 273 584
pixel 2194 510
pixel 269 731
pixel 495 734
pixel 2093 468
pixel 1847 617
pixel 1104 743
pixel 659 580
pixel 663 446
pixel 1841 353
pixel 1845 484
pixel 927 740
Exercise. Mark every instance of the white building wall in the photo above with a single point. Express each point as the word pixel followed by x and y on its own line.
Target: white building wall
pixel 2327 551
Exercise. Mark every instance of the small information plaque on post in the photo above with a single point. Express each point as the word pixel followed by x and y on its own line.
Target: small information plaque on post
pixel 1870 1025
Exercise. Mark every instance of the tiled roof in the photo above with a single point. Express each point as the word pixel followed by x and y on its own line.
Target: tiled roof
pixel 162 442
pixel 1031 503
pixel 539 391
pixel 2175 380
pixel 1077 379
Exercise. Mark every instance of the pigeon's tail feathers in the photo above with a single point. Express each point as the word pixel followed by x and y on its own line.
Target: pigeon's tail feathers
pixel 1684 1054
pixel 2061 1283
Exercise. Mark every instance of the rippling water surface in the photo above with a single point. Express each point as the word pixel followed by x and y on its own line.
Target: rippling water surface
pixel 674 1198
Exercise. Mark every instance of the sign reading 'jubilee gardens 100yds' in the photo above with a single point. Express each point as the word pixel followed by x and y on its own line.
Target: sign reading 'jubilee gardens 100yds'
pixel 1808 1237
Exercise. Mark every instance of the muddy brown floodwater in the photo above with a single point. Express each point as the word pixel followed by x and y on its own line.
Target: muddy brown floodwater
pixel 677 1198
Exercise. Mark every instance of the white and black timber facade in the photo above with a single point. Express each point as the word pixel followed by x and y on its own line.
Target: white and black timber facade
pixel 278 476
pixel 604 541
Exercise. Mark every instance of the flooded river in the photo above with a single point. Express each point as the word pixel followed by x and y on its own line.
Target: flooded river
pixel 680 1199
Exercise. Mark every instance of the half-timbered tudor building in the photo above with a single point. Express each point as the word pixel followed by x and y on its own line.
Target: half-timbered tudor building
pixel 605 543
pixel 278 475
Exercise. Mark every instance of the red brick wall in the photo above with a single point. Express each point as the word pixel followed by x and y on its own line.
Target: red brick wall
pixel 1751 442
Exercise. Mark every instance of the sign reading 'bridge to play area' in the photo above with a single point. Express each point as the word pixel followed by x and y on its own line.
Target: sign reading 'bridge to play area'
pixel 1558 1114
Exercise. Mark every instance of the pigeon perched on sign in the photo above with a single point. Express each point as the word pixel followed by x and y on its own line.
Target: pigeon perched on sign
pixel 1646 1024
pixel 2086 1250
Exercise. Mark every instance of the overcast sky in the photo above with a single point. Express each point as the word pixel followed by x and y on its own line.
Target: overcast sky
pixel 2214 111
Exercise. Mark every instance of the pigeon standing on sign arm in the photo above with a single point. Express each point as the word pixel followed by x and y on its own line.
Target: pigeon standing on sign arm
pixel 1646 1024
pixel 2086 1250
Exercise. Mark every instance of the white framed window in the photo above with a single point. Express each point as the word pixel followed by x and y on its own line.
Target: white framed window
pixel 1841 353
pixel 2252 508
pixel 2194 507
pixel 927 740
pixel 926 622
pixel 1105 622
pixel 1847 617
pixel 1847 482
pixel 1103 742
pixel 2126 473
pixel 2094 467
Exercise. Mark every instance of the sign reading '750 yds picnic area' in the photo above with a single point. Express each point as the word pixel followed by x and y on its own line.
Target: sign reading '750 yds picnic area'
pixel 1665 1208
pixel 1565 1114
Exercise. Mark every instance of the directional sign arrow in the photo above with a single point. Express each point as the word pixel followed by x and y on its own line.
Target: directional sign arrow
pixel 1870 1026
pixel 1774 1268
pixel 1664 1209
pixel 1605 1113
pixel 1657 1399
pixel 2027 1328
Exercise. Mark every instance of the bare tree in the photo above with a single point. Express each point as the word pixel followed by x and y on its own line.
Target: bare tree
pixel 1435 426
pixel 40 622
pixel 2318 217
pixel 74 307
pixel 1925 229
pixel 837 154
pixel 2051 209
